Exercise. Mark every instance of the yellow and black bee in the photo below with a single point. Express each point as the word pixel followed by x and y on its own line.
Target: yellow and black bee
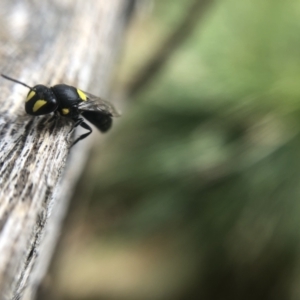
pixel 69 102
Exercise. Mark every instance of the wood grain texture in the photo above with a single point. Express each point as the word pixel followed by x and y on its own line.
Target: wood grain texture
pixel 48 42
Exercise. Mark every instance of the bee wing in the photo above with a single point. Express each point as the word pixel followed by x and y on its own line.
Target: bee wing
pixel 95 103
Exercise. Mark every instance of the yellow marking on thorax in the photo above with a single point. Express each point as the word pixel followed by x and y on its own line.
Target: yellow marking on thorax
pixel 38 104
pixel 30 95
pixel 82 95
pixel 65 111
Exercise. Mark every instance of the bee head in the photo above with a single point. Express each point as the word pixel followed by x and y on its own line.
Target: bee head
pixel 40 99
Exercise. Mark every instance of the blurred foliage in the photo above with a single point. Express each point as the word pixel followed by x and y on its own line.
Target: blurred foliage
pixel 200 177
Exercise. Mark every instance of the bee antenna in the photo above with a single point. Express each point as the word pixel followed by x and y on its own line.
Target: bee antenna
pixel 17 81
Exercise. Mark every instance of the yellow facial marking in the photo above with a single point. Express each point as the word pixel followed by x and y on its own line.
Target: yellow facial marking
pixel 65 111
pixel 82 95
pixel 38 104
pixel 30 95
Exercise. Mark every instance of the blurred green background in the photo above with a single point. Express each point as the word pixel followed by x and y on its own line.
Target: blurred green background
pixel 195 192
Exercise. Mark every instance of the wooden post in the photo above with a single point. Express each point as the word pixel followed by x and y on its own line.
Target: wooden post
pixel 45 42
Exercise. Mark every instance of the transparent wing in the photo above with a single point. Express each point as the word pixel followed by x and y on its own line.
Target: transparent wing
pixel 95 103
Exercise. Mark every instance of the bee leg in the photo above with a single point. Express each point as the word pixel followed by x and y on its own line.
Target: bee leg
pixel 76 124
pixel 83 136
pixel 53 118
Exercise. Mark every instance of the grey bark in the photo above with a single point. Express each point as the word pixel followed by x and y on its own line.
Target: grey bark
pixel 45 42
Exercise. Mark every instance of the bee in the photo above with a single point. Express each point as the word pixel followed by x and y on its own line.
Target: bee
pixel 70 102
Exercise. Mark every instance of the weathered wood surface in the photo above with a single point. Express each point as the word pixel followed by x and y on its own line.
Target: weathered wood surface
pixel 49 42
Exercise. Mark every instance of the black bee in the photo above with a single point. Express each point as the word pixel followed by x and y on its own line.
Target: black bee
pixel 69 102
